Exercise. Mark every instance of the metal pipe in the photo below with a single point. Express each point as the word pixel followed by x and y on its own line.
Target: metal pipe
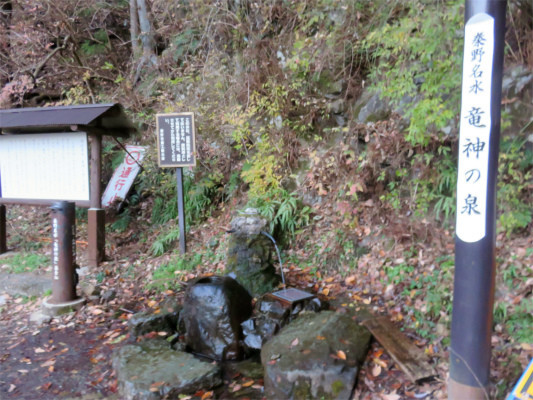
pixel 181 209
pixel 471 330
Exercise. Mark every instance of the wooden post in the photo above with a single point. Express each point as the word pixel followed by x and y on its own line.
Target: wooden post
pixel 3 236
pixel 96 215
pixel 181 210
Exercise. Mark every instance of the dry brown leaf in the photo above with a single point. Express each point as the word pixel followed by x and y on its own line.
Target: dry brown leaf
pixel 320 337
pixel 154 387
pixel 207 395
pixel 341 354
pixel 248 384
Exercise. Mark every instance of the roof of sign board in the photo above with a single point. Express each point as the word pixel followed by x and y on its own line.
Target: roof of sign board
pixel 106 119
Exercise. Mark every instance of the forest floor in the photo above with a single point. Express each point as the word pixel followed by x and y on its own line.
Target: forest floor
pixel 69 357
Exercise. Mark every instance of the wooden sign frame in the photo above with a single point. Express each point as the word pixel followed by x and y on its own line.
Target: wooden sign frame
pixel 172 130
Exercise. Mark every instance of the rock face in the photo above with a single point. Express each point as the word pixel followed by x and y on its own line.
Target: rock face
pixel 152 371
pixel 249 257
pixel 303 362
pixel 213 311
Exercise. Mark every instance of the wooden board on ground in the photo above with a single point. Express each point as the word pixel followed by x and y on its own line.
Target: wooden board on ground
pixel 409 358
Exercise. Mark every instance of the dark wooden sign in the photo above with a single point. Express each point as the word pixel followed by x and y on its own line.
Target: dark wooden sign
pixel 176 140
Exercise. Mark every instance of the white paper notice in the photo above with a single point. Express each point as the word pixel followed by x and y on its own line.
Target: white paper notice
pixel 475 128
pixel 46 166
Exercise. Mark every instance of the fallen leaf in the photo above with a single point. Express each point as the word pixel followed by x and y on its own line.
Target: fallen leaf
pixel 376 370
pixel 48 363
pixel 295 342
pixel 248 384
pixel 40 350
pixel 11 388
pixel 390 396
pixel 46 386
pixel 207 395
pixel 154 387
pixel 325 291
pixel 350 280
pixel 341 354
pixel 236 388
pixel 320 337
pixel 380 362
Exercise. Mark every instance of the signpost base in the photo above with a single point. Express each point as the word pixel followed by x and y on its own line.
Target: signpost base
pixel 457 391
pixel 96 236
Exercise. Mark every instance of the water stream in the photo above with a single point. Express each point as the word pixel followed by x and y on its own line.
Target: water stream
pixel 279 256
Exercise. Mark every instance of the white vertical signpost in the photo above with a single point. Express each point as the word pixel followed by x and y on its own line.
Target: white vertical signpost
pixel 177 148
pixel 470 348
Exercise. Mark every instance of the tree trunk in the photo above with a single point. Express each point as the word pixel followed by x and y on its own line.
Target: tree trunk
pixel 6 10
pixel 134 29
pixel 147 34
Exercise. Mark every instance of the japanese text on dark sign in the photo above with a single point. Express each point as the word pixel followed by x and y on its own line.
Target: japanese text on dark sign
pixel 176 139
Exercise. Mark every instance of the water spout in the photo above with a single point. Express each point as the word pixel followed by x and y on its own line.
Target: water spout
pixel 279 256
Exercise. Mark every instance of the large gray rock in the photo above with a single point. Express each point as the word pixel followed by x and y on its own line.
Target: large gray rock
pixel 213 310
pixel 152 371
pixel 305 360
pixel 249 257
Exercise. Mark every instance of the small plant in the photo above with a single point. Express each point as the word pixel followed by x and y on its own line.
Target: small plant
pixel 21 263
pixel 167 275
pixel 283 210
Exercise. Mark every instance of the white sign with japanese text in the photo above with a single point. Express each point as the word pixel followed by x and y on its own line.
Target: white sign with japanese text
pixel 475 125
pixel 118 187
pixel 44 166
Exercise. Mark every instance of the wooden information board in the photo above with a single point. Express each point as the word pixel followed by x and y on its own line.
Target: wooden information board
pixel 44 166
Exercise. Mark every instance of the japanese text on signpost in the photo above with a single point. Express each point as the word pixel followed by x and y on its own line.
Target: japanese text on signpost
pixel 475 129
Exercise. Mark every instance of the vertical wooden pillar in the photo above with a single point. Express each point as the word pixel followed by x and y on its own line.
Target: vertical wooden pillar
pixel 3 236
pixel 96 215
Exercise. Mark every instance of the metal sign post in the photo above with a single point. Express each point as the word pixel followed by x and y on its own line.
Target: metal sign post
pixel 63 253
pixel 471 330
pixel 176 144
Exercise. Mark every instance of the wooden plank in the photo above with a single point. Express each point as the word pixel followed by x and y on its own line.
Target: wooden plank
pixel 412 361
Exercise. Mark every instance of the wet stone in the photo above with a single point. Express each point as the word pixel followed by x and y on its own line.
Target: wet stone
pixel 145 322
pixel 301 361
pixel 249 256
pixel 152 370
pixel 213 310
pixel 270 316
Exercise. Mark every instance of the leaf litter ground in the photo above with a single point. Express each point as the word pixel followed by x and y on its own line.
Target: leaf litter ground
pixel 70 356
